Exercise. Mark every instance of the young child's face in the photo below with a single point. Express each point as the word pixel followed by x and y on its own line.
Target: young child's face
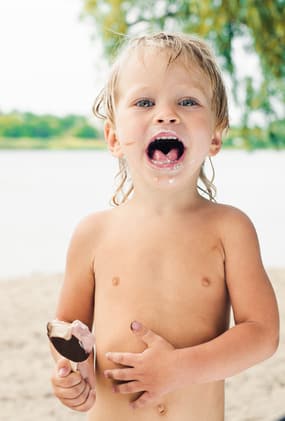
pixel 164 122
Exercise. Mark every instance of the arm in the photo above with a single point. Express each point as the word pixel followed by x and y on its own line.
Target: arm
pixel 255 334
pixel 161 368
pixel 76 301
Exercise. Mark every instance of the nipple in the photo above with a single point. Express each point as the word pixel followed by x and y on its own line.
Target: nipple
pixel 115 281
pixel 206 282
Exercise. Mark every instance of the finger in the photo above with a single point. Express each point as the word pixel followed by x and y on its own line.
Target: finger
pixel 144 400
pixel 123 358
pixel 71 380
pixel 86 369
pixel 78 399
pixel 63 367
pixel 125 374
pixel 83 402
pixel 129 387
pixel 88 404
pixel 69 392
pixel 147 335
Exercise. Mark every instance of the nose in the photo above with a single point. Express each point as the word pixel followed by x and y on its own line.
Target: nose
pixel 167 116
pixel 168 120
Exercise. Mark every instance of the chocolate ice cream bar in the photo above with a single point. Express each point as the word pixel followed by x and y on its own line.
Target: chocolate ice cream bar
pixel 73 340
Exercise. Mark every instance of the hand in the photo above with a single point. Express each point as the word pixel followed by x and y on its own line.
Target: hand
pixel 71 388
pixel 153 371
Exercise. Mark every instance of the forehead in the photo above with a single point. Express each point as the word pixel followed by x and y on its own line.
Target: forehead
pixel 152 64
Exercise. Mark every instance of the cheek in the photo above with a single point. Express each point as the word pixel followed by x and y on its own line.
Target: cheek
pixel 203 129
pixel 202 141
pixel 128 134
pixel 129 143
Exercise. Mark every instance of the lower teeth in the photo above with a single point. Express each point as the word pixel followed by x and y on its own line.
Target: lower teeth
pixel 168 161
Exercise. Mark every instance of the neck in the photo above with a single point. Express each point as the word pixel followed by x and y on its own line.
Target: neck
pixel 165 202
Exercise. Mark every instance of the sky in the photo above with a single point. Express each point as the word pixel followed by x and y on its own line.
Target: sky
pixel 48 60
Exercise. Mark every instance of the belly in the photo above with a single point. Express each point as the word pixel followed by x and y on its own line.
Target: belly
pixel 199 402
pixel 178 318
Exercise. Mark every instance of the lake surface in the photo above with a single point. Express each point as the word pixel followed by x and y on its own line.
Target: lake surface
pixel 43 195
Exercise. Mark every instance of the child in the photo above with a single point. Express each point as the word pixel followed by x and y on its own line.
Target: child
pixel 156 275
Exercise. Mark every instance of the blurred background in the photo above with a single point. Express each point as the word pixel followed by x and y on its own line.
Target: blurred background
pixel 54 168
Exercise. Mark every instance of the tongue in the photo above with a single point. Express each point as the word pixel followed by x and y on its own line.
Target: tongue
pixel 172 155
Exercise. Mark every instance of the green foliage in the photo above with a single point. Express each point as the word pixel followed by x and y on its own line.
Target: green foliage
pixel 85 131
pixel 272 137
pixel 259 24
pixel 54 143
pixel 220 21
pixel 29 125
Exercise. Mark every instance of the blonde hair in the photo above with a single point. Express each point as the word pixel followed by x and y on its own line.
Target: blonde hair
pixel 192 50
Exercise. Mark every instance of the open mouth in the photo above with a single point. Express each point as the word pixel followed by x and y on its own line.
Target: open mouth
pixel 165 152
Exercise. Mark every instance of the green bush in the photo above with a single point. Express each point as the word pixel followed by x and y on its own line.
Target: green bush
pixel 16 125
pixel 86 132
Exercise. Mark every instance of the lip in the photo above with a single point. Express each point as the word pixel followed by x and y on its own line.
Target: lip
pixel 167 165
pixel 164 133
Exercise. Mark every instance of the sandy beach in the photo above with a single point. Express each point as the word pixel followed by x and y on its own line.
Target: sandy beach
pixel 25 393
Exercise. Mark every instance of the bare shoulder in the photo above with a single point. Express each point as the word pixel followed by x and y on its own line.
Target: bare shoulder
pixel 92 226
pixel 238 237
pixel 230 219
pixel 85 241
pixel 235 230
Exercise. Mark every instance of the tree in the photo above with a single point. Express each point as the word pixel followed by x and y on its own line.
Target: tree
pixel 259 23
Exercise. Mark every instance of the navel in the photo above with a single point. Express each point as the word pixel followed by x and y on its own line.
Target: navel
pixel 161 409
pixel 205 282
pixel 115 281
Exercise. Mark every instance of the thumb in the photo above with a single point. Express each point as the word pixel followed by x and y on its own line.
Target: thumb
pixel 147 335
pixel 63 367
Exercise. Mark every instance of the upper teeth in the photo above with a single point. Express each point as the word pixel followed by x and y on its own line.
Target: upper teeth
pixel 166 138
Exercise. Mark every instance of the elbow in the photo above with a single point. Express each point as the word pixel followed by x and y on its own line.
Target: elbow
pixel 272 344
pixel 268 341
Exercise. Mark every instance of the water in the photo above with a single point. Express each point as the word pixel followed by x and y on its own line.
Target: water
pixel 43 195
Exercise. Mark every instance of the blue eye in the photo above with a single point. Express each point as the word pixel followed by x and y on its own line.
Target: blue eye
pixel 188 102
pixel 144 103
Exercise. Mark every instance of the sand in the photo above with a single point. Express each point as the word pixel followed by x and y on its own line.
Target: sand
pixel 26 304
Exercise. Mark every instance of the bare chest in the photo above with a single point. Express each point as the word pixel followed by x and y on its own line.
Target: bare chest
pixel 168 278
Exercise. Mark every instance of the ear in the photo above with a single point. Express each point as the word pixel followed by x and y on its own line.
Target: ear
pixel 111 139
pixel 216 143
